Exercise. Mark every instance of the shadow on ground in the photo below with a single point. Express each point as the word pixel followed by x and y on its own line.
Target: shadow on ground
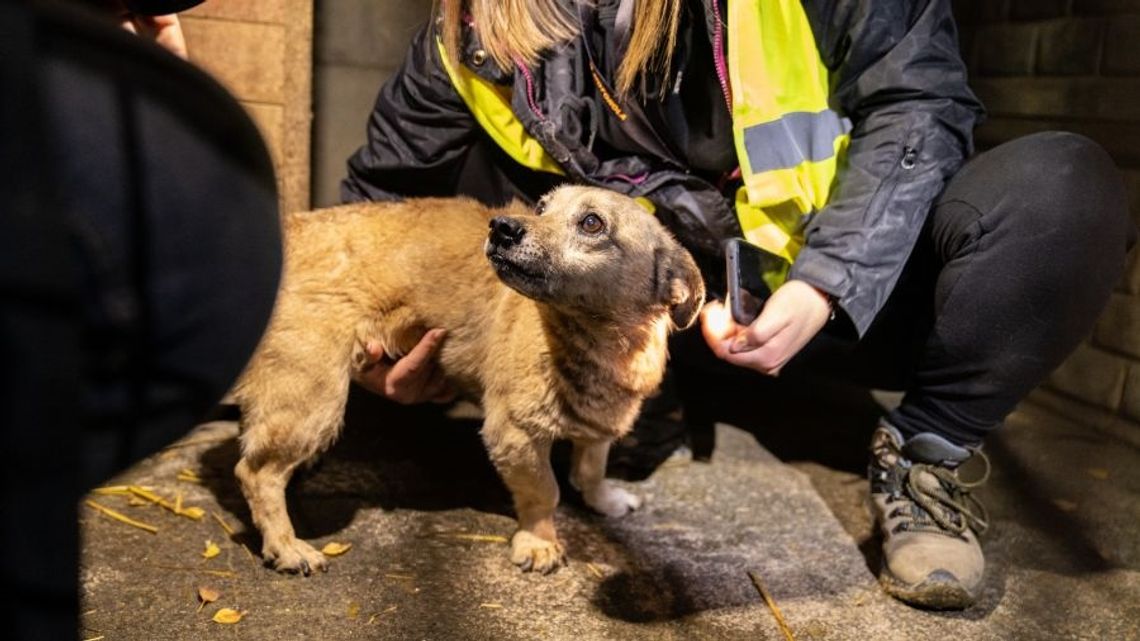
pixel 410 458
pixel 782 496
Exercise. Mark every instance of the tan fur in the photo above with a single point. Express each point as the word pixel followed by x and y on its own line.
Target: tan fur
pixel 566 347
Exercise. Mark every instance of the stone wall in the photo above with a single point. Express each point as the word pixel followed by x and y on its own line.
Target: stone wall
pixel 359 43
pixel 262 52
pixel 1071 65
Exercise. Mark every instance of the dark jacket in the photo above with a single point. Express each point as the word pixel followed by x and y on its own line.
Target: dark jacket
pixel 896 73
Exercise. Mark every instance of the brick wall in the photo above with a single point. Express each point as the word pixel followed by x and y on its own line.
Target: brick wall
pixel 262 52
pixel 1072 65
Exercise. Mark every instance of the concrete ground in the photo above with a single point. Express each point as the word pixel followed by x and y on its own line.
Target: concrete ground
pixel 428 519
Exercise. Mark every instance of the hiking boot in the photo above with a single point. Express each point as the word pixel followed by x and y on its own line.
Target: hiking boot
pixel 929 521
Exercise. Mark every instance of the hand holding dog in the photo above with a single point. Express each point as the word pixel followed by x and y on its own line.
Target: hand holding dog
pixel 414 378
pixel 794 314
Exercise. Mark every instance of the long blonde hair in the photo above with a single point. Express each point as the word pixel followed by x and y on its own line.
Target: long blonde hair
pixel 522 30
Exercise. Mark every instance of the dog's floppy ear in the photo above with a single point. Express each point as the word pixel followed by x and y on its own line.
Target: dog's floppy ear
pixel 679 284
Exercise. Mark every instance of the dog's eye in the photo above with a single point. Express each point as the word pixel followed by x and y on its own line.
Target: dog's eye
pixel 540 208
pixel 592 224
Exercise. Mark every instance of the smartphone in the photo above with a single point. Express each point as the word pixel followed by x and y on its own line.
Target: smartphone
pixel 749 270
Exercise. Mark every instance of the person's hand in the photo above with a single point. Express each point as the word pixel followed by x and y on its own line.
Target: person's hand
pixel 164 30
pixel 792 316
pixel 414 378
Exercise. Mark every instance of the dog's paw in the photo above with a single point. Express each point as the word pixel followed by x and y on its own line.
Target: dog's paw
pixel 535 554
pixel 612 500
pixel 295 557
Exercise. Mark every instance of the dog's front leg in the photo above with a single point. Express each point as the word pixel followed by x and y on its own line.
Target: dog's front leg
pixel 588 475
pixel 523 463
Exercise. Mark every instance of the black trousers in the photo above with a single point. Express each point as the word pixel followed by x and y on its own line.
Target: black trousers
pixel 1015 263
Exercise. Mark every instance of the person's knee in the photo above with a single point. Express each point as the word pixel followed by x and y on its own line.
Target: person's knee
pixel 1079 172
pixel 1068 184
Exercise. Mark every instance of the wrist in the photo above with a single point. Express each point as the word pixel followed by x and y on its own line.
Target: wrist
pixel 828 300
pixel 832 305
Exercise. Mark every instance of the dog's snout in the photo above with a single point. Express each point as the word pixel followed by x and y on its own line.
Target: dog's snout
pixel 506 231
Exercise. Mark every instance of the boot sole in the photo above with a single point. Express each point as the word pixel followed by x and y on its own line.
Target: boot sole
pixel 939 591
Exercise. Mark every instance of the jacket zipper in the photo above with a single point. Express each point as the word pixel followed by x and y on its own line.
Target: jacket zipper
pixel 718 56
pixel 530 101
pixel 909 158
pixel 907 161
pixel 721 65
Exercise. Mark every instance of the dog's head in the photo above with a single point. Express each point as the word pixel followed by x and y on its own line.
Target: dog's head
pixel 599 252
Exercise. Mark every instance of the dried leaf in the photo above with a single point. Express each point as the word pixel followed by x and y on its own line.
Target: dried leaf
pixel 176 507
pixel 222 573
pixel 189 476
pixel 333 548
pixel 228 616
pixel 482 538
pixel 389 610
pixel 231 534
pixel 195 513
pixel 146 494
pixel 211 550
pixel 121 517
pixel 206 595
pixel 1098 473
pixel 595 571
pixel 771 603
pixel 111 489
pixel 225 526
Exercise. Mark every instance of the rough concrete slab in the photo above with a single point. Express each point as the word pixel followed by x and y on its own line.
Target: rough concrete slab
pixel 677 569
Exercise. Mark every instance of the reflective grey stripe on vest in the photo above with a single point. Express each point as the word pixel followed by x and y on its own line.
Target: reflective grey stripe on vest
pixel 797 137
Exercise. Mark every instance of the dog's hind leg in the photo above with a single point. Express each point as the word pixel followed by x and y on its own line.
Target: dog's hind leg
pixel 588 476
pixel 288 427
pixel 523 463
pixel 263 483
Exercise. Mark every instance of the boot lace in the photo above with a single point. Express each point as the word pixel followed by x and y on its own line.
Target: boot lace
pixel 955 498
pixel 949 508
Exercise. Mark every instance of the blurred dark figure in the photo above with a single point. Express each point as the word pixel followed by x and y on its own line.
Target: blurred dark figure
pixel 139 260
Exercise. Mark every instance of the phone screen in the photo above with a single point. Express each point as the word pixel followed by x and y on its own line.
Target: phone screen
pixel 747 267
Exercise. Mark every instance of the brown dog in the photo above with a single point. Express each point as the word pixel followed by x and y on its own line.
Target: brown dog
pixel 560 331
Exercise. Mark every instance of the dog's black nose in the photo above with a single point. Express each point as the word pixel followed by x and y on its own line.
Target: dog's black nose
pixel 506 231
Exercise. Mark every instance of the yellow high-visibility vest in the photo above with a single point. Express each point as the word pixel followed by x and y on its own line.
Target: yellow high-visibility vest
pixel 789 143
pixel 491 105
